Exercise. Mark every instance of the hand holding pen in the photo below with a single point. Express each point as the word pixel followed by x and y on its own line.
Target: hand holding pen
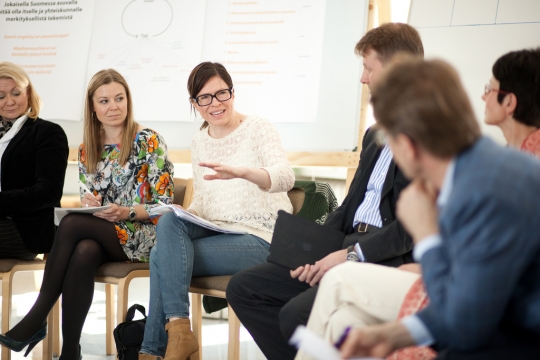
pixel 89 200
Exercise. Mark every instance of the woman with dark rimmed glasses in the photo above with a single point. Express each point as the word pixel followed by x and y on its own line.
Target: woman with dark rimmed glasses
pixel 241 176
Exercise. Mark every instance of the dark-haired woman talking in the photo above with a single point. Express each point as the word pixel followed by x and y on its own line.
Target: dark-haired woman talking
pixel 241 176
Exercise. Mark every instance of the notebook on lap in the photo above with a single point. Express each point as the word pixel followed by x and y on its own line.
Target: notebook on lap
pixel 297 241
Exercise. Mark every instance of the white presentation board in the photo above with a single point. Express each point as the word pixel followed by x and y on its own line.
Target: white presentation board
pixel 472 34
pixel 154 45
pixel 50 42
pixel 292 61
pixel 273 51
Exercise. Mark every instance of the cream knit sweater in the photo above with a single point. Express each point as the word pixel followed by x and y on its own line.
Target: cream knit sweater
pixel 238 204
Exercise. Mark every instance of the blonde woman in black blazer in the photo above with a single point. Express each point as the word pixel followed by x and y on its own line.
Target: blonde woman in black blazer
pixel 33 160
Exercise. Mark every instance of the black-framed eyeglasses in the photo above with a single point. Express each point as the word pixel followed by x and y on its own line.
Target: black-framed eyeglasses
pixel 488 88
pixel 206 99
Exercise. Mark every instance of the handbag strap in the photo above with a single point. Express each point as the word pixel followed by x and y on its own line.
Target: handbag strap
pixel 131 311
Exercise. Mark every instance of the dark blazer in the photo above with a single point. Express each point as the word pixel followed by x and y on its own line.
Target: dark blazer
pixel 390 245
pixel 33 168
pixel 483 281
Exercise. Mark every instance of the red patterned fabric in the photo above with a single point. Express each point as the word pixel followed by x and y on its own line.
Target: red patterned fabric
pixel 415 300
pixel 532 143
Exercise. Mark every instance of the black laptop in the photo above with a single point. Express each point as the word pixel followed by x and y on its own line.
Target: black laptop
pixel 298 241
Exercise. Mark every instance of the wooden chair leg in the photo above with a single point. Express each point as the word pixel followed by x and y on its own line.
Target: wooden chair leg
pixel 234 336
pixel 48 341
pixel 6 310
pixel 109 319
pixel 196 318
pixel 121 305
pixel 122 299
pixel 56 329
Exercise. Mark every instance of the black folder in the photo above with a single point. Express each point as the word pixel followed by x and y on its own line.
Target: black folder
pixel 298 241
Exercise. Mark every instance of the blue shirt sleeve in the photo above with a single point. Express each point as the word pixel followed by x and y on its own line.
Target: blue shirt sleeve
pixel 358 249
pixel 428 243
pixel 417 329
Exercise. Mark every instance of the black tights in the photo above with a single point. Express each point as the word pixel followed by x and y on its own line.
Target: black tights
pixel 82 244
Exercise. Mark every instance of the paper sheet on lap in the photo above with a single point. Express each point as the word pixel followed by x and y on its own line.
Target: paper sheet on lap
pixel 187 216
pixel 59 213
pixel 315 346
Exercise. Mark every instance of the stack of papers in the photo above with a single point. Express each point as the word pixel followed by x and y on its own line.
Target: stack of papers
pixel 314 345
pixel 187 216
pixel 59 213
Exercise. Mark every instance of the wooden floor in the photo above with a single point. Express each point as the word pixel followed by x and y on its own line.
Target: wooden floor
pixel 215 331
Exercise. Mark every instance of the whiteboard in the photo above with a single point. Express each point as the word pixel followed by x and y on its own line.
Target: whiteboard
pixel 51 43
pixel 315 104
pixel 472 34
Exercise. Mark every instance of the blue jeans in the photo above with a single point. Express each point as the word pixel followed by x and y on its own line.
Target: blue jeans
pixel 183 250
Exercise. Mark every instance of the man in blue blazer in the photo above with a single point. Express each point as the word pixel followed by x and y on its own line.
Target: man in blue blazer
pixel 472 209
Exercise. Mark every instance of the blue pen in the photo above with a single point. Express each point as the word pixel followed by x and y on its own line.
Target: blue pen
pixel 342 338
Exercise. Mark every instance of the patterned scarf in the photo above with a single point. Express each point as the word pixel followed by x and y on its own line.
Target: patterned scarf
pixel 5 126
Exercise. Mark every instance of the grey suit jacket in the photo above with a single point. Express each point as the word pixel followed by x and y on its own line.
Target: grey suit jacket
pixel 483 282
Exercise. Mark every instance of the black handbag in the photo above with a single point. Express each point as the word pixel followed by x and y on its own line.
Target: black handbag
pixel 128 335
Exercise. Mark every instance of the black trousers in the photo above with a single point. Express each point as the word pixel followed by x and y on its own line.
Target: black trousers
pixel 11 243
pixel 271 304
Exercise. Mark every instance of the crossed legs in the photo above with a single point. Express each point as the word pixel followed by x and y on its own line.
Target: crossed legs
pixel 81 245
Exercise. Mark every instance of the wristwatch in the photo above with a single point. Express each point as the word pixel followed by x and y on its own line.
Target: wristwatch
pixel 351 254
pixel 132 214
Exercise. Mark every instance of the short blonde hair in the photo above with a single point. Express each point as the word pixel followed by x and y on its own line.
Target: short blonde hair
pixel 92 126
pixel 16 73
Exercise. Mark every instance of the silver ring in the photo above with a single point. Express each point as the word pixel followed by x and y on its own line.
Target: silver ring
pixel 86 205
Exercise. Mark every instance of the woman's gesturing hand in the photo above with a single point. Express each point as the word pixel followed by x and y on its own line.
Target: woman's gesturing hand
pixel 223 172
pixel 259 177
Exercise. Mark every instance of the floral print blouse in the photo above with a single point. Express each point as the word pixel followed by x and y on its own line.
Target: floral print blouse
pixel 145 179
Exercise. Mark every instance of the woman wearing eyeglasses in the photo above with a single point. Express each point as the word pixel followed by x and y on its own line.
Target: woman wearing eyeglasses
pixel 513 99
pixel 241 176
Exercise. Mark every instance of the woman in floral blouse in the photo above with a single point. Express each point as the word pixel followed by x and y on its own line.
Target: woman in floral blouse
pixel 131 179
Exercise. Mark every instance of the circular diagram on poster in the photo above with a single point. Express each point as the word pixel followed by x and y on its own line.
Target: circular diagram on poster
pixel 147 18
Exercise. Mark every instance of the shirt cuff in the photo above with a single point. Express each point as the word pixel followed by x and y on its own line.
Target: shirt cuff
pixel 359 252
pixel 428 243
pixel 417 329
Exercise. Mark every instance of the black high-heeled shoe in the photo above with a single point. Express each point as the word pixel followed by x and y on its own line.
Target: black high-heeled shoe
pixel 19 345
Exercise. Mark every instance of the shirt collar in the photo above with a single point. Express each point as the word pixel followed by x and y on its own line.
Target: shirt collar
pixel 447 185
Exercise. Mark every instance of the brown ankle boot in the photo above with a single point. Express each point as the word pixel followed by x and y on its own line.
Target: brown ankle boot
pixel 182 344
pixel 149 357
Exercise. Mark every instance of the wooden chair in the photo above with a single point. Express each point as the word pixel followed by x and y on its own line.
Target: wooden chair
pixel 121 274
pixel 216 286
pixel 8 269
pixel 213 286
